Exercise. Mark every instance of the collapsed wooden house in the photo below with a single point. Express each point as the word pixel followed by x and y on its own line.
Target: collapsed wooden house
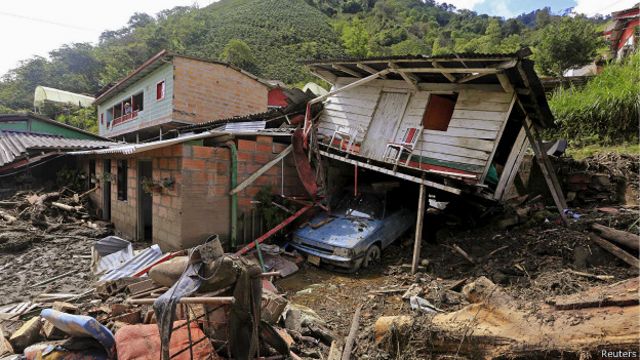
pixel 458 123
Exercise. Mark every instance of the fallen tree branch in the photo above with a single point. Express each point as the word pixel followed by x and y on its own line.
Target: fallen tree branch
pixel 591 276
pixel 464 254
pixel 616 251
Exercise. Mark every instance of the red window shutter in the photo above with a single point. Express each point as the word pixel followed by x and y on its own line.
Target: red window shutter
pixel 160 90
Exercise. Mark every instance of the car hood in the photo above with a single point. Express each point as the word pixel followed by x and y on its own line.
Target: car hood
pixel 341 231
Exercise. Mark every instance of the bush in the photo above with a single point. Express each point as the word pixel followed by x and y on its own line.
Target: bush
pixel 606 109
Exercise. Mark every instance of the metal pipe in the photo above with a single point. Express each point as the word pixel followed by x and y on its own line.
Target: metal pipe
pixel 234 198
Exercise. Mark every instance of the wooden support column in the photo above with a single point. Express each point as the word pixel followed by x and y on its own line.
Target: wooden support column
pixel 546 168
pixel 419 221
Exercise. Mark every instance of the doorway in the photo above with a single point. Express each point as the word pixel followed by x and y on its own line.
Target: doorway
pixel 145 201
pixel 384 123
pixel 106 190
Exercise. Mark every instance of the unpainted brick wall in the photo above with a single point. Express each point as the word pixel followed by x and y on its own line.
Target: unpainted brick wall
pixel 199 204
pixel 205 91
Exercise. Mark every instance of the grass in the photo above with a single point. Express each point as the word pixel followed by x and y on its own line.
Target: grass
pixel 590 150
pixel 606 108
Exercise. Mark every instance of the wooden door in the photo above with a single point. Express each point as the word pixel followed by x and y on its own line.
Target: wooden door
pixel 386 118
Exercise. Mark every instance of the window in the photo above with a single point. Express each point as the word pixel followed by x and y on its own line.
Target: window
pixel 438 113
pixel 123 168
pixel 91 179
pixel 137 102
pixel 102 118
pixel 160 90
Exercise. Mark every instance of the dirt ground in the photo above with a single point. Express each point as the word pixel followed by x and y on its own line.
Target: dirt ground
pixel 530 263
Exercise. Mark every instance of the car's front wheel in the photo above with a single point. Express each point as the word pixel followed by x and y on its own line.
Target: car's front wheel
pixel 372 255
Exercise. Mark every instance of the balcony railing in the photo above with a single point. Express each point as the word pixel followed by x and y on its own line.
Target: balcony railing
pixel 124 118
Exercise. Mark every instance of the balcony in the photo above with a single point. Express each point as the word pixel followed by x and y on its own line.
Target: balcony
pixel 124 118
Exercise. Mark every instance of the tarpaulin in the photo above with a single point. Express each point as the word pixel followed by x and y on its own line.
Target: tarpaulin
pixel 142 342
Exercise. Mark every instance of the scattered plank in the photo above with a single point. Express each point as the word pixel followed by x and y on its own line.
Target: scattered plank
pixel 351 338
pixel 632 241
pixel 616 251
pixel 7 218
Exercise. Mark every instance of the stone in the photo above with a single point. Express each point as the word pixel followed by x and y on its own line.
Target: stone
pixel 27 334
pixel 5 345
pixel 168 272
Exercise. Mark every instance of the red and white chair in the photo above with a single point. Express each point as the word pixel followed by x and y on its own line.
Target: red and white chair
pixel 394 151
pixel 346 135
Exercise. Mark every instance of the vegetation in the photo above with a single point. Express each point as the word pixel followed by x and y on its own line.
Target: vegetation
pixel 606 110
pixel 269 37
pixel 572 42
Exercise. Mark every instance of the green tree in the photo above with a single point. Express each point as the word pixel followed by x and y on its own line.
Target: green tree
pixel 356 38
pixel 570 43
pixel 238 53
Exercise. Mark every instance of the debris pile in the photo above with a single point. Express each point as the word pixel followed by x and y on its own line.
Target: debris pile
pixel 600 179
pixel 45 245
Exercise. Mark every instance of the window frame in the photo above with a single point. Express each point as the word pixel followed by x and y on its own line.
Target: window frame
pixel 164 90
pixel 122 178
pixel 443 127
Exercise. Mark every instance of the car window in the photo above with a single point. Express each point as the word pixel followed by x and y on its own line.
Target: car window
pixel 363 206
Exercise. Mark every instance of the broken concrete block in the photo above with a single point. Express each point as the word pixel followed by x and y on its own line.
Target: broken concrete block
pixel 29 333
pixel 272 307
pixel 5 345
pixel 168 272
pixel 132 318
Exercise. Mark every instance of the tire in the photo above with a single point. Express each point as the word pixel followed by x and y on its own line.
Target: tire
pixel 372 255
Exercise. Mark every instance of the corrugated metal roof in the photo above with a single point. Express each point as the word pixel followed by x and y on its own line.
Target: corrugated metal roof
pixel 128 149
pixel 409 57
pixel 143 259
pixel 15 144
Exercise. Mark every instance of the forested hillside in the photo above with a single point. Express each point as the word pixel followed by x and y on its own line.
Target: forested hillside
pixel 268 37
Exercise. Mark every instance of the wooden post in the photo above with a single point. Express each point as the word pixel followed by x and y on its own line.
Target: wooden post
pixel 418 239
pixel 546 169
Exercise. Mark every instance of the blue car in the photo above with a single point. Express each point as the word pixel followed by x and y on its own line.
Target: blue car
pixel 353 235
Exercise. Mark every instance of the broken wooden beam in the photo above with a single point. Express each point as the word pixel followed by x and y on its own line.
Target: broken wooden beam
pixel 220 300
pixel 632 241
pixel 616 251
pixel 248 181
pixel 351 338
pixel 8 218
pixel 66 207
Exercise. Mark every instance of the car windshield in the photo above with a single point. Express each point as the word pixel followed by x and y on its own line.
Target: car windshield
pixel 363 206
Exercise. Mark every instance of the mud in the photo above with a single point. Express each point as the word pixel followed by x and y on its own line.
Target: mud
pixel 530 264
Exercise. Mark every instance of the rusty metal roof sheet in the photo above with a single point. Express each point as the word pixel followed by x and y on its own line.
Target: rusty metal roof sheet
pixel 18 144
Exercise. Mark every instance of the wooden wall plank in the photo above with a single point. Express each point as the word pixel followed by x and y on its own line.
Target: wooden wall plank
pixel 350 109
pixel 481 105
pixel 452 158
pixel 453 150
pixel 479 115
pixel 475 124
pixel 463 142
pixel 469 133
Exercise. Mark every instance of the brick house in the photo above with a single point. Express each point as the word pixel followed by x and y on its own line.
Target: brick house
pixel 171 90
pixel 189 199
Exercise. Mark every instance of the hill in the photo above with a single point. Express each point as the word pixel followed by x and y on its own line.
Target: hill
pixel 268 37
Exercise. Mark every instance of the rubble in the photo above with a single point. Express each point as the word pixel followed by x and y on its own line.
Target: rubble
pixel 102 294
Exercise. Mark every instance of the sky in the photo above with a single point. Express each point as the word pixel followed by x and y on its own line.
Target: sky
pixel 35 27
